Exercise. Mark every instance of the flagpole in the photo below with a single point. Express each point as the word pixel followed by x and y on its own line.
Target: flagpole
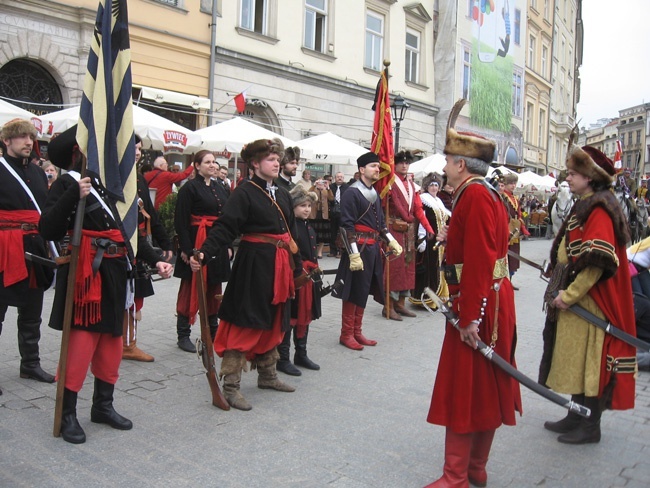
pixel 75 242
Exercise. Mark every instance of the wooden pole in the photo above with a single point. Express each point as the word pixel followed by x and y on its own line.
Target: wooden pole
pixel 69 307
pixel 387 269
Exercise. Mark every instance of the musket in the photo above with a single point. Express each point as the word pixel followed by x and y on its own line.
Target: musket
pixel 504 365
pixel 331 288
pixel 608 327
pixel 75 242
pixel 49 263
pixel 204 347
pixel 543 268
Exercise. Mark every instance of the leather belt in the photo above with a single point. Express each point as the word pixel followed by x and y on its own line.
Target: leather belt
pixel 16 226
pixel 271 240
pixel 453 271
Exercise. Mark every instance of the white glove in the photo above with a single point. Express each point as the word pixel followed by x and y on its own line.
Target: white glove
pixel 423 246
pixel 395 247
pixel 356 264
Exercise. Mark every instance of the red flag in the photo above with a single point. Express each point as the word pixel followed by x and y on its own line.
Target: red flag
pixel 240 102
pixel 382 136
pixel 618 156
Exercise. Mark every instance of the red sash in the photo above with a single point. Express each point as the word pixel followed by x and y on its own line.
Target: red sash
pixel 283 287
pixel 366 230
pixel 202 222
pixel 305 301
pixel 12 249
pixel 88 286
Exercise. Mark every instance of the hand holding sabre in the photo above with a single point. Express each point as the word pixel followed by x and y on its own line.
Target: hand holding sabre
pixel 498 361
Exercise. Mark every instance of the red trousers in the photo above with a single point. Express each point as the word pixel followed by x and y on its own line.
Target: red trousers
pixel 183 300
pixel 102 352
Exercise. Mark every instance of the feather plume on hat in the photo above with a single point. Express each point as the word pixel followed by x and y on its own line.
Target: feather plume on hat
pixel 467 143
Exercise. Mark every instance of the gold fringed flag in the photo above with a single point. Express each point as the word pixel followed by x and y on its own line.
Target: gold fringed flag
pixel 105 131
pixel 382 136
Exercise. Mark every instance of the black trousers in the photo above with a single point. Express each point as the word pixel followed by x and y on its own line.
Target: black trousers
pixel 29 327
pixel 335 223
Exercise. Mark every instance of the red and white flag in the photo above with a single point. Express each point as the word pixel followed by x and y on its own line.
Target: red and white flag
pixel 618 156
pixel 240 101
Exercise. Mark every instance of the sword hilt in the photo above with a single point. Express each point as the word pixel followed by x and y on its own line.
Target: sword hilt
pixel 579 409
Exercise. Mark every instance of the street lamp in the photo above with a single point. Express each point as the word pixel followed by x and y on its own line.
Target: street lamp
pixel 398 108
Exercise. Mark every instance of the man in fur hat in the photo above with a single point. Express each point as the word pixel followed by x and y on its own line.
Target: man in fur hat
pixel 590 268
pixel 361 268
pixel 288 168
pixel 256 308
pixel 471 396
pixel 404 211
pixel 23 191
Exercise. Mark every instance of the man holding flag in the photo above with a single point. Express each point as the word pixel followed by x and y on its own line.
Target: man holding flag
pixel 99 255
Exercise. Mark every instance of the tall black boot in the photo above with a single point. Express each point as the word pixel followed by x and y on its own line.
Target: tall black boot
pixel 71 431
pixel 213 320
pixel 588 432
pixel 284 363
pixel 300 357
pixel 568 423
pixel 102 411
pixel 29 333
pixel 183 331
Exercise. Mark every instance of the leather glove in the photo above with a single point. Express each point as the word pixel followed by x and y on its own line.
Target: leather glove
pixel 356 264
pixel 395 247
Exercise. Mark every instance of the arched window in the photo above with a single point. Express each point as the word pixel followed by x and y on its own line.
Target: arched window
pixel 259 112
pixel 23 80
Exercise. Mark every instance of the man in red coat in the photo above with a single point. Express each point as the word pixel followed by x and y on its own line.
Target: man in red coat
pixel 404 212
pixel 162 180
pixel 471 396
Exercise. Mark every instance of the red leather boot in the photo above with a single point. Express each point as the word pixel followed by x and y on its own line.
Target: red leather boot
pixel 358 336
pixel 347 327
pixel 457 451
pixel 481 444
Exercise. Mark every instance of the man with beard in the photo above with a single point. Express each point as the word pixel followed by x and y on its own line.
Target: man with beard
pixel 361 269
pixel 288 168
pixel 23 191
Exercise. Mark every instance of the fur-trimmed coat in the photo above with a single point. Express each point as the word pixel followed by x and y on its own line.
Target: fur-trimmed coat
pixel 595 235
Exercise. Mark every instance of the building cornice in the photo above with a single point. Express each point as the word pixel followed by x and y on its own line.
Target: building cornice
pixel 246 61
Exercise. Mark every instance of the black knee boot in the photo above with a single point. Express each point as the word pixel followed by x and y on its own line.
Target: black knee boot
pixel 29 333
pixel 183 331
pixel 568 423
pixel 588 432
pixel 102 411
pixel 300 357
pixel 284 363
pixel 71 431
pixel 213 320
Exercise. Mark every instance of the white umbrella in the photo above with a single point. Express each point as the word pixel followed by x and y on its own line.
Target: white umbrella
pixel 430 164
pixel 533 182
pixel 329 148
pixel 9 112
pixel 156 132
pixel 233 134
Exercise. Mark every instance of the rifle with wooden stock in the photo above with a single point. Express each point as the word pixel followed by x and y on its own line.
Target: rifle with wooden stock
pixel 204 347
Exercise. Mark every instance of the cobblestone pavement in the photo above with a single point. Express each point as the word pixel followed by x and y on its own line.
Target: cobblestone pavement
pixel 358 422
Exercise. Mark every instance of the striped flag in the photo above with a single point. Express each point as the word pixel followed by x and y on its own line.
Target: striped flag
pixel 382 136
pixel 105 131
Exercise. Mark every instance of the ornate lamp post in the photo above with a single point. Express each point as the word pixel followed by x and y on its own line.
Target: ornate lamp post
pixel 398 108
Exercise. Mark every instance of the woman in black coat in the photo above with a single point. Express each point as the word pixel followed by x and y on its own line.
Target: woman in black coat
pixel 199 204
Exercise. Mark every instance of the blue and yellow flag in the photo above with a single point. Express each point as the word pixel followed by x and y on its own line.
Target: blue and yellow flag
pixel 105 131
